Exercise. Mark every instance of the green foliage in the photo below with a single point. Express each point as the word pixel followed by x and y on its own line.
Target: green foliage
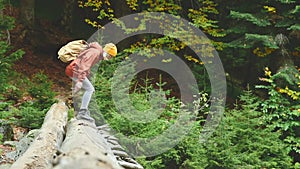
pixel 187 154
pixel 248 136
pixel 250 18
pixel 4 106
pixel 28 116
pixel 281 107
pixel 7 56
pixel 200 15
pixel 70 114
pixel 263 19
pixel 201 76
pixel 252 27
pixel 31 112
pixel 141 100
pixel 287 1
pixel 296 10
pixel 266 40
pixel 1 137
pixel 5 113
pixel 243 140
pixel 184 154
pixel 16 89
pixel 6 61
pixel 295 27
pixel 41 91
pixel 6 22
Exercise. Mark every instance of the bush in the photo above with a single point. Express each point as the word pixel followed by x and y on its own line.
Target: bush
pixel 7 56
pixel 41 91
pixel 29 113
pixel 281 107
pixel 30 117
pixel 243 140
pixel 141 99
pixel 1 137
pixel 32 112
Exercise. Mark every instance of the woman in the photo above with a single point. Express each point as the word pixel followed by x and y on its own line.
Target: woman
pixel 79 70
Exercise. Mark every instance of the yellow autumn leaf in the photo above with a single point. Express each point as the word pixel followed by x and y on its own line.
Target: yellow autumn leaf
pixel 110 10
pixel 107 2
pixel 167 60
pixel 270 9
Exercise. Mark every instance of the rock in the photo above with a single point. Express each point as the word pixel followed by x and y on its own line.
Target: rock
pixel 22 145
pixel 19 132
pixel 10 143
pixel 6 130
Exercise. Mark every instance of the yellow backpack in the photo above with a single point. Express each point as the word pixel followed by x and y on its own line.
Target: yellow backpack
pixel 70 51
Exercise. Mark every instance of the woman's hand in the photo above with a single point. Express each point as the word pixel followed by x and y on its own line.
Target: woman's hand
pixel 77 87
pixel 106 56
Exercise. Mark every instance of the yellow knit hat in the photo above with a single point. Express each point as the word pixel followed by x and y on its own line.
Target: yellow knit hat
pixel 111 49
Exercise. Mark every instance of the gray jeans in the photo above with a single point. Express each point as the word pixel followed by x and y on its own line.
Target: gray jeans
pixel 89 90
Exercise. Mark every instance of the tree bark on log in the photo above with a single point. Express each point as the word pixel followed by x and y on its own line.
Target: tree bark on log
pixel 84 148
pixel 40 153
pixel 75 144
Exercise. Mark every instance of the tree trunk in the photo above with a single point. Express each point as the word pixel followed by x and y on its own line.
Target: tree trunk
pixel 27 12
pixel 84 148
pixel 68 14
pixel 40 153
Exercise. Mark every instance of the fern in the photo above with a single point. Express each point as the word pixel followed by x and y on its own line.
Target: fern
pixel 264 39
pixel 296 10
pixel 287 1
pixel 250 18
pixel 295 27
pixel 289 75
pixel 242 140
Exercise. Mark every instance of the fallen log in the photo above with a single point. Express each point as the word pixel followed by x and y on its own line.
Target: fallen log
pixel 84 148
pixel 75 144
pixel 40 153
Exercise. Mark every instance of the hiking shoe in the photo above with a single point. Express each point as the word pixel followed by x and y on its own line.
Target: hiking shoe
pixel 75 113
pixel 84 114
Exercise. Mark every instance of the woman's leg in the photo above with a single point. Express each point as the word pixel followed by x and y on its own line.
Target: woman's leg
pixel 86 98
pixel 83 113
pixel 89 90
